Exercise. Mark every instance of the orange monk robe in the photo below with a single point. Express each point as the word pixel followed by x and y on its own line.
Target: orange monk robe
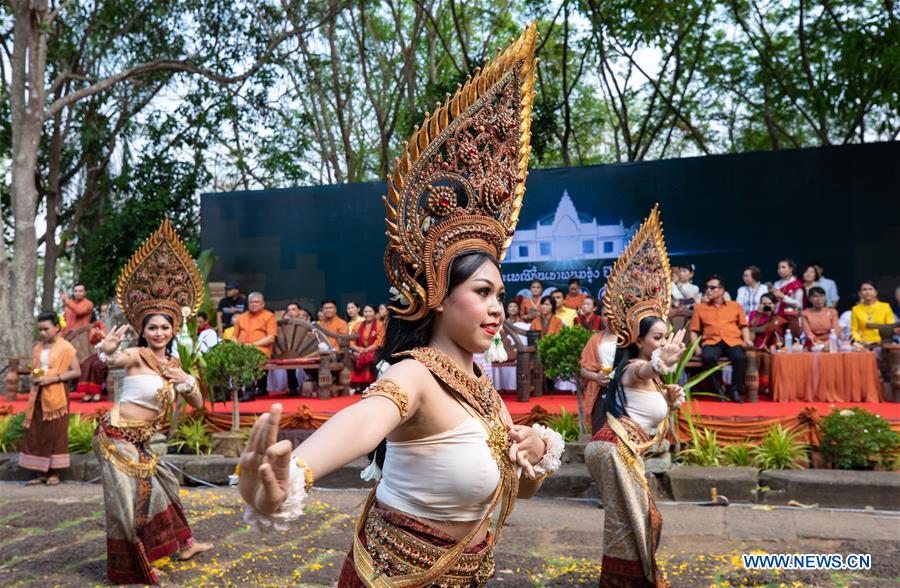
pixel 555 325
pixel 77 313
pixel 574 301
pixel 529 304
pixel 253 326
pixel 336 325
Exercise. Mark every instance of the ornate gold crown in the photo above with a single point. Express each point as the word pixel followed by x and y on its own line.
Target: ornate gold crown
pixel 458 183
pixel 640 282
pixel 161 277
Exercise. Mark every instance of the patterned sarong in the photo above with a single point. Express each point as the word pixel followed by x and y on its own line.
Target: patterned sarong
pixel 144 517
pixel 632 524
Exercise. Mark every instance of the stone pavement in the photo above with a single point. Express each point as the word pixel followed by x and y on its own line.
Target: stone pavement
pixel 55 536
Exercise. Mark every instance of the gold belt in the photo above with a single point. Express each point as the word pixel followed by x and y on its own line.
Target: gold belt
pixel 396 551
pixel 137 436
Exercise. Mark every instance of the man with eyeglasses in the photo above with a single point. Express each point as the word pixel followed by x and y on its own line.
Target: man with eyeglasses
pixel 723 329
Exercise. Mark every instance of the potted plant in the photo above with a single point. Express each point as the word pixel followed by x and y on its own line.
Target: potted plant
pixel 561 354
pixel 856 439
pixel 230 365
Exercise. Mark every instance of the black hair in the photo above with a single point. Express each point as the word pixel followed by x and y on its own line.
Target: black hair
pixel 297 304
pixel 816 290
pixel 790 262
pixel 327 301
pixel 202 314
pixel 717 277
pixel 615 401
pixel 538 282
pixel 407 335
pixel 354 303
pixel 48 315
pixel 79 283
pixel 869 282
pixel 551 301
pixel 755 272
pixel 814 269
pixel 574 281
pixel 170 348
pixel 770 296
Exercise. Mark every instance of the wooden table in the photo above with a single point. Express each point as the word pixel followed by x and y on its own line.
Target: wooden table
pixel 825 377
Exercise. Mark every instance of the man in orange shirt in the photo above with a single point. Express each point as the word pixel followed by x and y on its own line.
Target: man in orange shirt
pixel 256 327
pixel 332 322
pixel 724 330
pixel 575 296
pixel 78 309
pixel 531 307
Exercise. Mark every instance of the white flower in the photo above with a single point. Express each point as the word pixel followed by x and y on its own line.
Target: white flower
pixel 846 412
pixel 185 311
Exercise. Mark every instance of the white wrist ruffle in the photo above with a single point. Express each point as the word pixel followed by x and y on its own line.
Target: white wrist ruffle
pixel 659 365
pixel 291 509
pixel 187 386
pixel 553 453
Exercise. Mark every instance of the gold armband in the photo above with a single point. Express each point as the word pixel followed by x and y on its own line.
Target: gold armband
pixel 390 390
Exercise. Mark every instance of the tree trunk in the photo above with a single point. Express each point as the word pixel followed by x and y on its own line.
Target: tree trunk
pixel 235 413
pixel 51 247
pixel 27 108
pixel 579 397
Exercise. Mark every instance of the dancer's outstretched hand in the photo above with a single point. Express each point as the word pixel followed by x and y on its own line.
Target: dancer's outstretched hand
pixel 265 462
pixel 673 348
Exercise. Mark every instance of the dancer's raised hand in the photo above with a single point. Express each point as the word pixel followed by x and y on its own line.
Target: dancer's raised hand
pixel 673 348
pixel 111 342
pixel 265 463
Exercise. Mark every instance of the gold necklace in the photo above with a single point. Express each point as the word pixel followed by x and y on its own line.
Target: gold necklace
pixel 476 392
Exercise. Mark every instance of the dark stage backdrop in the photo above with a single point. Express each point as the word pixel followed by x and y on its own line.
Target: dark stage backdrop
pixel 837 205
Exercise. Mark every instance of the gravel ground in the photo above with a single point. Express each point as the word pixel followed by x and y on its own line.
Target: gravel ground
pixel 55 536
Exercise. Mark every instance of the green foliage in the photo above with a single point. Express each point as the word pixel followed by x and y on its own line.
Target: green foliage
pixel 81 434
pixel 780 449
pixel 560 353
pixel 12 430
pixel 675 376
pixel 230 365
pixel 566 424
pixel 193 436
pixel 855 438
pixel 738 455
pixel 703 449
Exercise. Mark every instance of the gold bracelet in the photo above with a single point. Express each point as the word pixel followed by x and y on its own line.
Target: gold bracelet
pixel 307 472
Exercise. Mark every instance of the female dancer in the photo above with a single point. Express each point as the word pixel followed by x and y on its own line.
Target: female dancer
pixel 144 517
pixel 452 454
pixel 635 408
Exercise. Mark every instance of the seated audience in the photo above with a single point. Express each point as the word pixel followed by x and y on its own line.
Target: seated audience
pixel 722 327
pixel 766 327
pixel 207 337
pixel 574 297
pixel 564 313
pixel 810 277
pixel 829 285
pixel 588 317
pixel 819 320
pixel 256 327
pixel 869 310
pixel 547 322
pixel 531 307
pixel 332 322
pixel 789 293
pixel 685 295
pixel 749 295
pixel 354 318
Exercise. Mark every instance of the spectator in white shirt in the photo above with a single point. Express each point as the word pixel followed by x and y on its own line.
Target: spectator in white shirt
pixel 749 295
pixel 829 285
pixel 207 337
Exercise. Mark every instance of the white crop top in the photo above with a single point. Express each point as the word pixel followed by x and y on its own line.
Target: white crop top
pixel 141 390
pixel 647 409
pixel 458 466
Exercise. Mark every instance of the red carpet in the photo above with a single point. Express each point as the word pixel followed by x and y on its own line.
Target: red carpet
pixel 551 403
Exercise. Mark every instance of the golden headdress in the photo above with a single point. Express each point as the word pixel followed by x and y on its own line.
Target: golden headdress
pixel 161 277
pixel 640 282
pixel 459 181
